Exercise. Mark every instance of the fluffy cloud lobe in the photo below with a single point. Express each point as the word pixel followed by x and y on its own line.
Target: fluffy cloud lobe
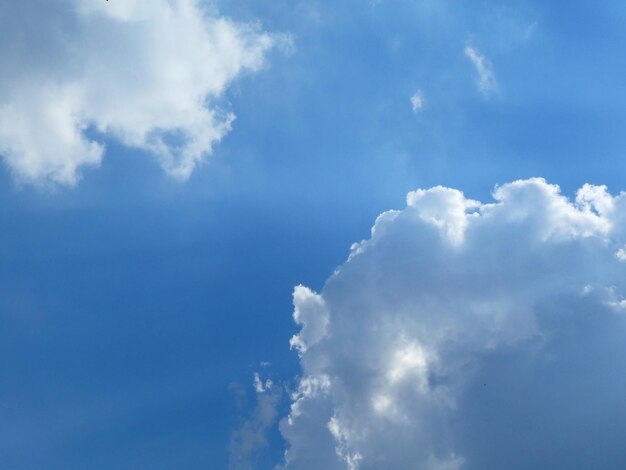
pixel 146 73
pixel 468 335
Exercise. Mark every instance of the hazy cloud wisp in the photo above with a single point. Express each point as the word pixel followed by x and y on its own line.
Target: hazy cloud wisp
pixel 486 77
pixel 417 101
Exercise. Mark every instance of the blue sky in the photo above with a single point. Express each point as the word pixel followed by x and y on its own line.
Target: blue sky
pixel 137 304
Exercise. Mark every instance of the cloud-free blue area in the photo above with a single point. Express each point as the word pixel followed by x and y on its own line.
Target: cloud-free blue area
pixel 130 303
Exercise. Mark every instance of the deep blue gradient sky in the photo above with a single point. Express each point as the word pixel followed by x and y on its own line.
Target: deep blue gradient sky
pixel 130 303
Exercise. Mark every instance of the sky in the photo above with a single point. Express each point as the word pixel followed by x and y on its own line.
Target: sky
pixel 276 234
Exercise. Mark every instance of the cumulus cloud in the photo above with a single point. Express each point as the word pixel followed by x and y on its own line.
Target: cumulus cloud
pixel 146 73
pixel 486 78
pixel 469 335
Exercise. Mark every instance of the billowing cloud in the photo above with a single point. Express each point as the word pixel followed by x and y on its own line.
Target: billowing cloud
pixel 469 335
pixel 486 77
pixel 147 73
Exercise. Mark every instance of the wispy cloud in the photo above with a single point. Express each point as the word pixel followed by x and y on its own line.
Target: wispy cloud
pixel 417 101
pixel 486 78
pixel 250 437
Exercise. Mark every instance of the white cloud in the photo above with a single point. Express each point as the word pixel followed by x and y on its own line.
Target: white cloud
pixel 260 386
pixel 310 312
pixel 417 101
pixel 467 335
pixel 147 73
pixel 486 78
